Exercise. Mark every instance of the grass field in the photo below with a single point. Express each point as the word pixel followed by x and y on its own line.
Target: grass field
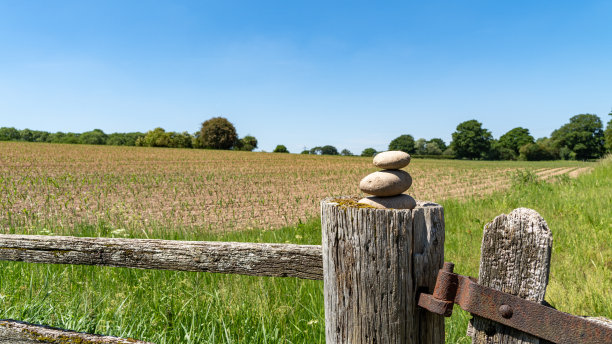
pixel 123 192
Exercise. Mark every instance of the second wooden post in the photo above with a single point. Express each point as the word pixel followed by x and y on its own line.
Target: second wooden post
pixel 375 261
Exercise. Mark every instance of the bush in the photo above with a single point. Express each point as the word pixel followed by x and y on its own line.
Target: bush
pixel 525 178
pixel 94 137
pixel 217 133
pixel 281 149
pixel 157 137
pixel 368 152
pixel 182 140
pixel 534 152
pixel 247 143
pixel 346 152
pixel 123 139
pixel 9 134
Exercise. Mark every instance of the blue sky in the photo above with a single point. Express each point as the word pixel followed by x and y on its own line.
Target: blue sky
pixel 353 74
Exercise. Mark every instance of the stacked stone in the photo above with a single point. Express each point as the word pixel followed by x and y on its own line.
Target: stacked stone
pixel 387 186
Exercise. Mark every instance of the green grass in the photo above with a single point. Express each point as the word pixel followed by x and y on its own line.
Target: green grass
pixel 184 307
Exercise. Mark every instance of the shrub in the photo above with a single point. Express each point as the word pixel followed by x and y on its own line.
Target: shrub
pixel 368 152
pixel 218 133
pixel 280 149
pixel 247 143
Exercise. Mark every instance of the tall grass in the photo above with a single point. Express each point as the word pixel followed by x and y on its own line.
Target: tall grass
pixel 185 307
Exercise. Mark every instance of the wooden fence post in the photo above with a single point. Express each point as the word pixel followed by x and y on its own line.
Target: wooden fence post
pixel 374 260
pixel 515 259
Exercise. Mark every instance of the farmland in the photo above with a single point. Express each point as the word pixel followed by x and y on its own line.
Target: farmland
pixel 132 188
pixel 263 197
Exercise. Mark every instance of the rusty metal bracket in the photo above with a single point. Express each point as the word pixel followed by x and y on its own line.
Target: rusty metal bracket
pixel 526 316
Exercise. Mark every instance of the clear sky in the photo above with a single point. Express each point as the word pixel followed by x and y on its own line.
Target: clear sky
pixel 353 74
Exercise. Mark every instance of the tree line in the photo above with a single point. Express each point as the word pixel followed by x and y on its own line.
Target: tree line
pixel 583 138
pixel 215 133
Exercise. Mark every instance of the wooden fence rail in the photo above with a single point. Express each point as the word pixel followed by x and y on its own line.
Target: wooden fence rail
pixel 275 260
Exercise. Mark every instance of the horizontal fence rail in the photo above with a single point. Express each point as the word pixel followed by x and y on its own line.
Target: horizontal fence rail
pixel 254 259
pixel 17 332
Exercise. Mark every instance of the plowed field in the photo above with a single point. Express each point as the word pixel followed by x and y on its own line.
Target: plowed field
pixel 53 185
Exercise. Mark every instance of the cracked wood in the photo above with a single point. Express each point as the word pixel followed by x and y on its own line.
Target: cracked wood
pixel 276 260
pixel 375 260
pixel 515 259
pixel 17 332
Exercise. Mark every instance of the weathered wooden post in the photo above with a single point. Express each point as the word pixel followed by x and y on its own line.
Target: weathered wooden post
pixel 374 262
pixel 515 259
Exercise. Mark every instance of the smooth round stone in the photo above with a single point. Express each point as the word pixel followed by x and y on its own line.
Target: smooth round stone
pixel 386 183
pixel 402 201
pixel 392 160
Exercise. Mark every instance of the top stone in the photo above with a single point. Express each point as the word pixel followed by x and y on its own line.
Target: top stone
pixel 392 160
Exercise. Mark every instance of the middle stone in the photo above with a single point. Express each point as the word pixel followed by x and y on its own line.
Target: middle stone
pixel 386 183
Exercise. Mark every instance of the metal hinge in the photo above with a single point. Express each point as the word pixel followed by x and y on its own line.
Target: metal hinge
pixel 526 316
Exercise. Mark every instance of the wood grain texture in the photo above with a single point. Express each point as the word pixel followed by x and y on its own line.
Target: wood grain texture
pixel 16 332
pixel 277 260
pixel 515 259
pixel 374 261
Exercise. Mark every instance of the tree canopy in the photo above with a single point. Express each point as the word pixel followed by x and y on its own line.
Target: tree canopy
pixel 515 138
pixel 583 136
pixel 471 140
pixel 218 133
pixel 281 149
pixel 439 143
pixel 94 137
pixel 346 152
pixel 608 134
pixel 403 143
pixel 368 152
pixel 247 143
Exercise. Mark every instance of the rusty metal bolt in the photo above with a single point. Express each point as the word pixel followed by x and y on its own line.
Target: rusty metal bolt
pixel 505 311
pixel 448 267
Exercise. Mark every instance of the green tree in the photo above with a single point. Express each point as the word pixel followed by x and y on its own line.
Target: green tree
pixel 514 139
pixel 281 149
pixel 403 143
pixel 535 151
pixel 329 150
pixel 26 135
pixel 247 143
pixel 368 152
pixel 608 135
pixel 9 134
pixel 94 137
pixel 346 152
pixel 123 139
pixel 419 146
pixel 439 142
pixel 61 137
pixel 157 137
pixel 583 135
pixel 180 140
pixel 499 152
pixel 432 148
pixel 471 140
pixel 218 133
pixel 316 150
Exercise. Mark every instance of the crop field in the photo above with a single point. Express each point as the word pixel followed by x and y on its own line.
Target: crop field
pixel 263 197
pixel 134 188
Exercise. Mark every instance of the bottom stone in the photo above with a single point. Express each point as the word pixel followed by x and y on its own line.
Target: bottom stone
pixel 402 201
